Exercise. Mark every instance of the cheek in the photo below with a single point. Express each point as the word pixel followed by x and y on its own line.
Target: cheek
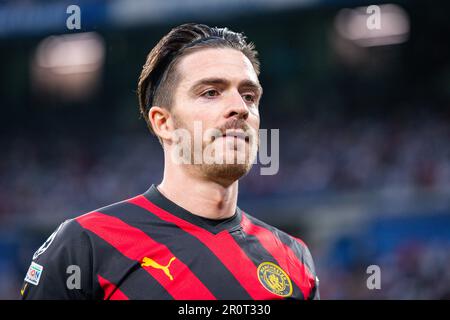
pixel 187 113
pixel 253 119
pixel 208 115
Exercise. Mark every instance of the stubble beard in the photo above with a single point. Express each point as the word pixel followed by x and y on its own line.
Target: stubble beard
pixel 224 173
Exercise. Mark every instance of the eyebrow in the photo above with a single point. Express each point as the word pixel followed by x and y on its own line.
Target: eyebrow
pixel 248 84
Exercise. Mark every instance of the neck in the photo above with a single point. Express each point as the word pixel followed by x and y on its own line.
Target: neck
pixel 198 195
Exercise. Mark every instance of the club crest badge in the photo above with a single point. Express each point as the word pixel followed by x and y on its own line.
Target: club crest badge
pixel 274 279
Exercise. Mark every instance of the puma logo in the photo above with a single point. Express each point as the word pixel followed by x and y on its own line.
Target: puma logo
pixel 147 262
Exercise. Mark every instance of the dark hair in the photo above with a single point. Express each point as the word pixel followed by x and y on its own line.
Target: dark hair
pixel 158 79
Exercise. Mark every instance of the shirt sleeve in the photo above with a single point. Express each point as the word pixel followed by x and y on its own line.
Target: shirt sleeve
pixel 306 259
pixel 61 269
pixel 315 294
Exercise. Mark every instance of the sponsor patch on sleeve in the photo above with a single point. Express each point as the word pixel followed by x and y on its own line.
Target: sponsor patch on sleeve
pixel 34 273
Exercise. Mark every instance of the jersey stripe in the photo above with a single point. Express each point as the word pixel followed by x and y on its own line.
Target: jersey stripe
pixel 135 244
pixel 306 254
pixel 112 292
pixel 216 277
pixel 126 273
pixel 286 257
pixel 222 245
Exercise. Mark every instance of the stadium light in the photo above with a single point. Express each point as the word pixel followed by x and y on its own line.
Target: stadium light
pixel 69 65
pixel 352 24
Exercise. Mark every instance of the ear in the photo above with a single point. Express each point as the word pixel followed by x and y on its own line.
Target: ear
pixel 161 122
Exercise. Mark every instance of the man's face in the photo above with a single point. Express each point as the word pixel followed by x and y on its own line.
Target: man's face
pixel 219 89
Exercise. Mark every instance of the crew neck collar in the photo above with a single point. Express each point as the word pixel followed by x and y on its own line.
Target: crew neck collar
pixel 214 226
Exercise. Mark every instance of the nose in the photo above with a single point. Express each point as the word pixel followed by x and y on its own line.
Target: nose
pixel 236 107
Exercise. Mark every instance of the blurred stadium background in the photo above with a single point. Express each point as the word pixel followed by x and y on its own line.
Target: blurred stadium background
pixel 364 119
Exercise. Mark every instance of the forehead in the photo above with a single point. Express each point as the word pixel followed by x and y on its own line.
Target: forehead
pixel 225 63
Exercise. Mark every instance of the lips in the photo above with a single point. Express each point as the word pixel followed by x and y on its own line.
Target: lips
pixel 236 134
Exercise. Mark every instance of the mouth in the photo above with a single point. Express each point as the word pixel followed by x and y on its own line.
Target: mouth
pixel 237 135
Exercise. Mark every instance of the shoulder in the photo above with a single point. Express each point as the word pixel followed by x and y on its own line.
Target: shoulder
pixel 72 246
pixel 67 236
pixel 66 248
pixel 289 242
pixel 73 233
pixel 255 222
pixel 119 210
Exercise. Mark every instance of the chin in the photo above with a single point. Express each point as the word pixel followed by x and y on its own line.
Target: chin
pixel 226 173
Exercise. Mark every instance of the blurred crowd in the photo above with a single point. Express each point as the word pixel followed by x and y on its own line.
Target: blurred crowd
pixel 361 155
pixel 413 270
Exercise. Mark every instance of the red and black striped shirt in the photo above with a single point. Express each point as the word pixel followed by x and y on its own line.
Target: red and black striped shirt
pixel 147 247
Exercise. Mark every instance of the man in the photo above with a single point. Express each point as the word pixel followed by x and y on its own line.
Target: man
pixel 185 238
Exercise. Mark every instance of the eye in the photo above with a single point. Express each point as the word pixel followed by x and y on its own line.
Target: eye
pixel 210 93
pixel 249 97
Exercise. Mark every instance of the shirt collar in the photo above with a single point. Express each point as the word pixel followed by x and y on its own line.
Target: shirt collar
pixel 214 226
